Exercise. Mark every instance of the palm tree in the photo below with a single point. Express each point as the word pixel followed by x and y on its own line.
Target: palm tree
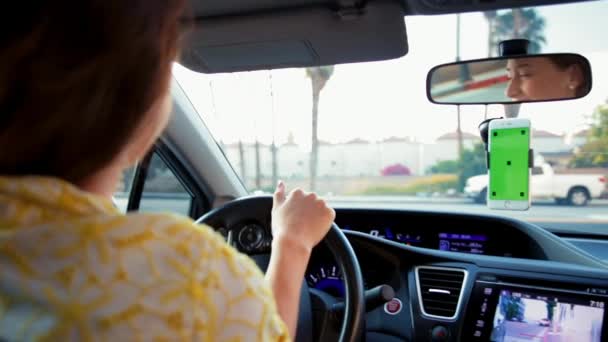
pixel 463 77
pixel 520 23
pixel 318 79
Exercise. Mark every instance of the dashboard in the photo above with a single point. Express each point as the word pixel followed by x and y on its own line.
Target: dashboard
pixel 453 277
pixel 444 241
pixel 323 273
pixel 452 234
pixel 468 278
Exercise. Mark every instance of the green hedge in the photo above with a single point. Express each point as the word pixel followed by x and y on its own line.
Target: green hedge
pixel 434 183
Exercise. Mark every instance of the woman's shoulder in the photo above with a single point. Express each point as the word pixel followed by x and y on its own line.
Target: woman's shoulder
pixel 170 230
pixel 226 286
pixel 198 245
pixel 150 266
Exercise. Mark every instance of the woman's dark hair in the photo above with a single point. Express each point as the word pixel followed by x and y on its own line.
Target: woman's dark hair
pixel 77 78
pixel 564 61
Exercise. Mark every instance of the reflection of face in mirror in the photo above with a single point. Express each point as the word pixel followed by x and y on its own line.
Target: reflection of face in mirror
pixel 545 78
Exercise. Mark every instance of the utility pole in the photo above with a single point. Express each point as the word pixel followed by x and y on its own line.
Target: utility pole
pixel 458 128
pixel 459 133
pixel 273 147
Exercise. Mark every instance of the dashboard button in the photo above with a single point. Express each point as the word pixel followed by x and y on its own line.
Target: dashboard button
pixel 393 306
pixel 440 333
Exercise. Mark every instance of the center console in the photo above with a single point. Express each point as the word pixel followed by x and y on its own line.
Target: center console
pixel 516 310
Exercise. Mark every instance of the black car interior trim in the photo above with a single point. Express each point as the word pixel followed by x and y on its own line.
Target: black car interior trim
pixel 201 196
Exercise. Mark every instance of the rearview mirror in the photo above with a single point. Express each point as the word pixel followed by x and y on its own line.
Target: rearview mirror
pixel 509 80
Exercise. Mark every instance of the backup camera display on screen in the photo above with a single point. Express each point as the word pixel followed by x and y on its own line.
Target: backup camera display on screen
pixel 521 316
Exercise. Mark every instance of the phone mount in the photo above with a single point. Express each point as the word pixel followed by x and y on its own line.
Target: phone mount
pixel 484 130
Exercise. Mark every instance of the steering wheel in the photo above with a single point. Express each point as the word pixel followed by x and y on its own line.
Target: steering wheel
pixel 258 209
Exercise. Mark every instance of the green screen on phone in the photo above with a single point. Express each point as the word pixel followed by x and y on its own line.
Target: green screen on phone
pixel 509 168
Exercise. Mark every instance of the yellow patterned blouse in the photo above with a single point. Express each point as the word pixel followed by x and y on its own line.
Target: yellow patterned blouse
pixel 73 268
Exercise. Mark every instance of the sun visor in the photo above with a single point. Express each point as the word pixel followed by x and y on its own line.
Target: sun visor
pixel 296 38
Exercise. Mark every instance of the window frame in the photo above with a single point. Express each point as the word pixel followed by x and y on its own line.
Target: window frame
pixel 200 199
pixel 537 171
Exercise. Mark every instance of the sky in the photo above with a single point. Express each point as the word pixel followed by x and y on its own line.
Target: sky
pixel 377 100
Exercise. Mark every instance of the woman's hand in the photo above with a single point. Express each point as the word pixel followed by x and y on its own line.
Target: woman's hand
pixel 299 219
pixel 299 222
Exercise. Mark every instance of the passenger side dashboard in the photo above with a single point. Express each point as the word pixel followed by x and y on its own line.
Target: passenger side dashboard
pixel 463 297
pixel 503 237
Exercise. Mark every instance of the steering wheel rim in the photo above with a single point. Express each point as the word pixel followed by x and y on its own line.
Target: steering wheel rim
pixel 258 208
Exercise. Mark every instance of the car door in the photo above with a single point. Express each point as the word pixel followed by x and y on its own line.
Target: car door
pixel 540 183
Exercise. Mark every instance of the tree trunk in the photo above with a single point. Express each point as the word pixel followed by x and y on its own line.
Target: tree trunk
pixel 517 23
pixel 490 37
pixel 314 151
pixel 459 135
pixel 258 169
pixel 457 37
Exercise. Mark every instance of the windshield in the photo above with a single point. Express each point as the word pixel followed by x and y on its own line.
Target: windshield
pixel 365 135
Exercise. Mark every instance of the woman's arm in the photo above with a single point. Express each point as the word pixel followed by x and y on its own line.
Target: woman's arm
pixel 285 274
pixel 299 222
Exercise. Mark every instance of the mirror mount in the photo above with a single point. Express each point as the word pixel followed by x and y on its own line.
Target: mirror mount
pixel 513 47
pixel 512 110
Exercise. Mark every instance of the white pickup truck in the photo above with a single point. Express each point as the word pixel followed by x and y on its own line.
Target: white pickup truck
pixel 571 189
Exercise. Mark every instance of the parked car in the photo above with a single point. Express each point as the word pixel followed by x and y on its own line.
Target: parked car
pixel 576 190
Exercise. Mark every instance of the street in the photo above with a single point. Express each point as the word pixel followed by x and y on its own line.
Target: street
pixel 518 331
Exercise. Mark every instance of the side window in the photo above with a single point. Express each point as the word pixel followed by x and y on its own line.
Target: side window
pixel 121 195
pixel 537 170
pixel 163 192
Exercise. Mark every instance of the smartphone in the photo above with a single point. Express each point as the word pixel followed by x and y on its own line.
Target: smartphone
pixel 509 164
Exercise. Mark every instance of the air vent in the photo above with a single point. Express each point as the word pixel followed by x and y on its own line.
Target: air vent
pixel 439 290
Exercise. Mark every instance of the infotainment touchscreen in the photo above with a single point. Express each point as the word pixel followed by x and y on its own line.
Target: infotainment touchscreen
pixel 517 314
pixel 527 316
